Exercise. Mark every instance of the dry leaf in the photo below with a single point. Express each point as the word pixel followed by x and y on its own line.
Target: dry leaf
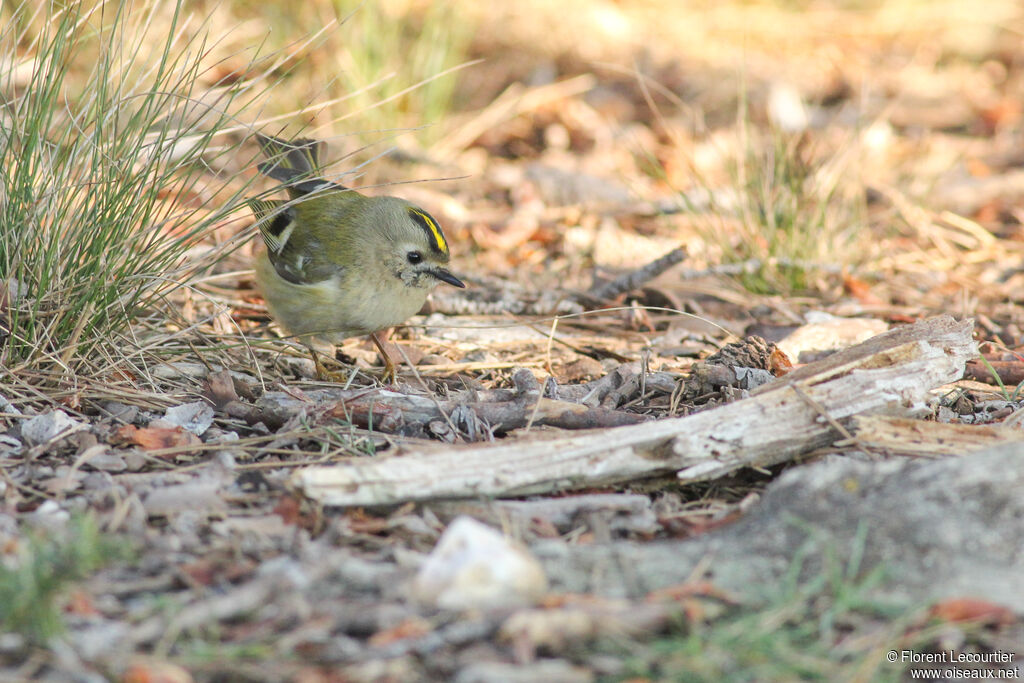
pixel 289 509
pixel 860 290
pixel 196 416
pixel 412 627
pixel 208 570
pixel 958 610
pixel 155 438
pixel 778 362
pixel 360 522
pixel 156 672
pixel 81 604
pixel 219 388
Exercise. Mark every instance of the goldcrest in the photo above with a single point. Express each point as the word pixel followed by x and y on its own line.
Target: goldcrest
pixel 337 263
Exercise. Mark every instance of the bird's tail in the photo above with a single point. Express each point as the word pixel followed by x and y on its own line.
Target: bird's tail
pixel 288 160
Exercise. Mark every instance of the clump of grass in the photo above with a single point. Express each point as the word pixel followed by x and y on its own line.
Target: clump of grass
pixel 396 71
pixel 793 213
pixel 824 627
pixel 107 139
pixel 789 211
pixel 34 579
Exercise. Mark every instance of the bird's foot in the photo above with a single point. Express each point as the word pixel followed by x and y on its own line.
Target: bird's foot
pixel 325 375
pixel 390 375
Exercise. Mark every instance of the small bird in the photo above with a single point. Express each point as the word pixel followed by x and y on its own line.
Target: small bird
pixel 337 263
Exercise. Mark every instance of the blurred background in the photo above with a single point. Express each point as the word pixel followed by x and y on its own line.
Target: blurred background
pixel 864 153
pixel 797 138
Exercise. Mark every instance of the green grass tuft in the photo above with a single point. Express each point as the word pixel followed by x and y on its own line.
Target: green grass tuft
pixel 826 625
pixel 107 141
pixel 33 580
pixel 395 72
pixel 794 214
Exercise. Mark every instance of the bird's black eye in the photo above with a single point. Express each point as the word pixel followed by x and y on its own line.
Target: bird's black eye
pixel 414 257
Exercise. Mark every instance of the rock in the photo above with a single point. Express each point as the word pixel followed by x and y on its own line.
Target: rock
pixel 196 417
pixel 559 187
pixel 42 428
pixel 179 369
pixel 473 566
pixel 940 529
pixel 203 495
pixel 787 109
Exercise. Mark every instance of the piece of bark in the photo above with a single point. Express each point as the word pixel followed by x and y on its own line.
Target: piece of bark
pixel 389 413
pixel 235 601
pixel 706 378
pixel 898 436
pixel 890 374
pixel 619 386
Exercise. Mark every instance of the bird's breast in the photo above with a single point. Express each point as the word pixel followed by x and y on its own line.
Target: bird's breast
pixel 346 305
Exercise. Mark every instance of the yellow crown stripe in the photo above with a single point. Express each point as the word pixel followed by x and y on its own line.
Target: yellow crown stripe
pixel 435 230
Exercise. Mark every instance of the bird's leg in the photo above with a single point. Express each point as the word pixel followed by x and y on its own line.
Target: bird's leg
pixel 322 373
pixel 390 371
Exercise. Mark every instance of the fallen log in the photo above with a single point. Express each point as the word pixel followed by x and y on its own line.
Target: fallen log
pixel 891 374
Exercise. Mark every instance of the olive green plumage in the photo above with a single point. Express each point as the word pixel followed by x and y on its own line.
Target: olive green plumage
pixel 338 263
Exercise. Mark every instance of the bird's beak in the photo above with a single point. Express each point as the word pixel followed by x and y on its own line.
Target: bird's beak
pixel 445 275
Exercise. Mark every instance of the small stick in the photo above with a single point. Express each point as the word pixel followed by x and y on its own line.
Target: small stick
pixel 635 278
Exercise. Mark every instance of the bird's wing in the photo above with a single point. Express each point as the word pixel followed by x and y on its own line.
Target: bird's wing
pixel 295 255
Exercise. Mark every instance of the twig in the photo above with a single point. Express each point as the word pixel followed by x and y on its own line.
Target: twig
pixel 632 280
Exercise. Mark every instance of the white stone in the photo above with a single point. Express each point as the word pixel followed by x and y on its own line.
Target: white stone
pixel 474 566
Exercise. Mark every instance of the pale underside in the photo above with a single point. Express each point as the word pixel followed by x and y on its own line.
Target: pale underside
pixel 330 311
